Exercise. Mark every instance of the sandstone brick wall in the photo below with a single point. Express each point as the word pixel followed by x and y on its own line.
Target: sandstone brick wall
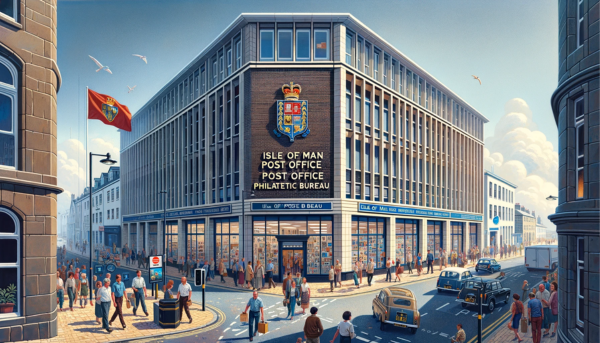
pixel 31 190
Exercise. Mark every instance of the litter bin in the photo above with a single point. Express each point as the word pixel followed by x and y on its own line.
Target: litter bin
pixel 168 313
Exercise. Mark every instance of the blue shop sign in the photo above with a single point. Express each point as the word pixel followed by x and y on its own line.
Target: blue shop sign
pixel 416 212
pixel 182 213
pixel 291 206
pixel 493 229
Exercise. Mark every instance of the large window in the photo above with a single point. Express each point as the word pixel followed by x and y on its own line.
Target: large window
pixel 267 49
pixel 368 240
pixel 473 234
pixel 349 43
pixel 9 8
pixel 321 47
pixel 227 240
pixel 10 256
pixel 172 232
pixel 407 239
pixel 456 236
pixel 434 237
pixel 580 284
pixel 580 22
pixel 580 141
pixel 284 45
pixel 238 54
pixel 152 238
pixel 195 247
pixel 303 45
pixel 8 110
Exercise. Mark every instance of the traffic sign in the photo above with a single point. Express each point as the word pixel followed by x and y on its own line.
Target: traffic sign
pixel 496 220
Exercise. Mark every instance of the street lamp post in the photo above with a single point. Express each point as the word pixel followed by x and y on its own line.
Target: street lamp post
pixel 108 161
pixel 164 193
pixel 244 210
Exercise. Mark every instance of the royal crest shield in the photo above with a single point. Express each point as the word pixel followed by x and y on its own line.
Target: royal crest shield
pixel 110 111
pixel 292 114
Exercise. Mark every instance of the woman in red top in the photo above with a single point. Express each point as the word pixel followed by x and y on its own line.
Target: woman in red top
pixel 517 312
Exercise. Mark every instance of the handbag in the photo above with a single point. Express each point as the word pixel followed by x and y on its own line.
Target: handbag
pixel 286 301
pixel 523 325
pixel 244 317
pixel 263 327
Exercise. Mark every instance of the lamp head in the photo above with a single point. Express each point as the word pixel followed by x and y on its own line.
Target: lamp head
pixel 108 161
pixel 252 193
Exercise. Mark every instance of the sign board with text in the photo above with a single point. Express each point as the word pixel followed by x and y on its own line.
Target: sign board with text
pixel 156 269
pixel 291 206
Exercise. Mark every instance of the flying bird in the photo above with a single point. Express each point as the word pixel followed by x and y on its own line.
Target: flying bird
pixel 143 58
pixel 477 78
pixel 100 65
pixel 131 89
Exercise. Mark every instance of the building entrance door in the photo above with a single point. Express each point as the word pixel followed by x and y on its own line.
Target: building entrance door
pixel 292 261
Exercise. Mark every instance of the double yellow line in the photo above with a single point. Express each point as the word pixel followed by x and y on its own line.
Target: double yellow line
pixel 492 326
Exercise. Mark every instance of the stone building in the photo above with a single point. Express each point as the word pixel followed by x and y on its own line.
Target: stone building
pixel 525 224
pixel 575 104
pixel 29 81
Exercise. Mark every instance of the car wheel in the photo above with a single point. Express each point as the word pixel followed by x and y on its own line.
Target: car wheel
pixel 413 330
pixel 507 297
pixel 464 305
pixel 381 324
pixel 492 305
pixel 439 290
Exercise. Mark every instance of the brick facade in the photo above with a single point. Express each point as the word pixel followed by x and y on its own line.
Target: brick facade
pixel 30 190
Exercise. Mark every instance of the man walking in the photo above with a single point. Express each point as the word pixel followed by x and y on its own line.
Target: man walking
pixel 255 304
pixel 234 272
pixel 105 297
pixel 211 269
pixel 270 267
pixel 118 289
pixel 536 316
pixel 331 278
pixel 460 337
pixel 388 267
pixel 429 261
pixel 544 297
pixel 184 293
pixel 370 271
pixel 139 288
pixel 409 260
pixel 313 329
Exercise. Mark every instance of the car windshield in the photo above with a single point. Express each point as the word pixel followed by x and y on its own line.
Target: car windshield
pixel 472 284
pixel 484 261
pixel 402 302
pixel 450 275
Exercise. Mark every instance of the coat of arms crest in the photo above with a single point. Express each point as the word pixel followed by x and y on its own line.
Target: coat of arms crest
pixel 292 113
pixel 109 110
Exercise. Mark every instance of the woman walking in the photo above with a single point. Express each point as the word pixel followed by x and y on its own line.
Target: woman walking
pixel 240 274
pixel 98 309
pixel 304 295
pixel 60 291
pixel 83 290
pixel 291 295
pixel 71 287
pixel 517 312
pixel 259 276
pixel 398 272
pixel 298 280
pixel 525 289
pixel 553 317
pixel 355 274
pixel 419 265
pixel 409 260
pixel 345 329
pixel 167 290
pixel 338 273
pixel 249 275
pixel 222 270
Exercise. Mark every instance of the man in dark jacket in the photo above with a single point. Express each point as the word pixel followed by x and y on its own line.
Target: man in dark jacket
pixel 313 329
pixel 429 261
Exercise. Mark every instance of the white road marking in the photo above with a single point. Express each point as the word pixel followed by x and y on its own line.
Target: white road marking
pixel 443 334
pixel 423 315
pixel 434 333
pixel 463 312
pixel 220 338
pixel 235 330
pixel 324 305
pixel 406 340
pixel 332 301
pixel 273 316
pixel 232 323
pixel 226 330
pixel 362 339
pixel 437 309
pixel 500 309
pixel 364 333
pixel 236 317
pixel 393 341
pixel 377 337
pixel 241 332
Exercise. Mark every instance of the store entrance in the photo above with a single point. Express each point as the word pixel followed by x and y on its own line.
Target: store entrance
pixel 292 261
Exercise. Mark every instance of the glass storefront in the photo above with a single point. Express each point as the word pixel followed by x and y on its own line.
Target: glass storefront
pixel 172 243
pixel 407 239
pixel 152 238
pixel 195 248
pixel 227 241
pixel 456 236
pixel 473 234
pixel 368 240
pixel 434 237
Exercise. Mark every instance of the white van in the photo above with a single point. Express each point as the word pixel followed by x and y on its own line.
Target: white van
pixel 541 257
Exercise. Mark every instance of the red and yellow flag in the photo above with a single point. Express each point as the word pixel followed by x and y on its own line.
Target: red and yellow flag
pixel 108 110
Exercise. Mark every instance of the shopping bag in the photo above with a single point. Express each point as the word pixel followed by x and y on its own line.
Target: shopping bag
pixel 263 327
pixel 401 269
pixel 127 302
pixel 244 317
pixel 523 325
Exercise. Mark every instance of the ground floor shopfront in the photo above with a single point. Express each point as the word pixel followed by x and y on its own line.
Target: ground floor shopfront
pixel 301 237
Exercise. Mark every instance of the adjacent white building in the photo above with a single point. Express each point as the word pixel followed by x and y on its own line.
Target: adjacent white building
pixel 499 202
pixel 540 229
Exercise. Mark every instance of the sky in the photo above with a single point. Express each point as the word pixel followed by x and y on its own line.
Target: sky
pixel 511 45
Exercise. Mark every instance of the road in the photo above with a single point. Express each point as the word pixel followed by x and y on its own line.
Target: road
pixel 439 313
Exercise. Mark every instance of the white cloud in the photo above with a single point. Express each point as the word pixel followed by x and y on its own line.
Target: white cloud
pixel 522 155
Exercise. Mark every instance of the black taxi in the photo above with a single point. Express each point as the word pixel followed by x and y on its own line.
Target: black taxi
pixel 492 290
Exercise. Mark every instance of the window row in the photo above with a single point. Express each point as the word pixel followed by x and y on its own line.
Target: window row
pixel 499 192
pixel 289 43
pixel 503 213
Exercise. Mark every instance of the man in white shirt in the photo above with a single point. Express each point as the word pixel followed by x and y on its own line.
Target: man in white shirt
pixel 105 299
pixel 184 293
pixel 139 288
pixel 370 271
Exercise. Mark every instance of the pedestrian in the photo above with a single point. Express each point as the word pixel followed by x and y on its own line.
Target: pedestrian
pixel 516 309
pixel 71 286
pixel 409 260
pixel 291 295
pixel 243 265
pixel 454 258
pixel 419 264
pixel 139 289
pixel 259 275
pixel 249 275
pixel 460 337
pixel 118 290
pixel 211 269
pixel 304 295
pixel 241 269
pixel 98 309
pixel 286 282
pixel 525 288
pixel 338 273
pixel 60 291
pixel 235 274
pixel 536 316
pixel 313 329
pixel 105 298
pixel 83 291
pixel 388 270
pixel 184 293
pixel 370 271
pixel 345 329
pixel 544 297
pixel 223 271
pixel 332 278
pixel 545 282
pixel 270 268
pixel 298 280
pixel 429 261
pixel 189 266
pixel 398 266
pixel 553 313
pixel 167 289
pixel 361 266
pixel 255 304
pixel 355 274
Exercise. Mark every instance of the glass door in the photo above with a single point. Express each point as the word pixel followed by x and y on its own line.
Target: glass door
pixel 292 262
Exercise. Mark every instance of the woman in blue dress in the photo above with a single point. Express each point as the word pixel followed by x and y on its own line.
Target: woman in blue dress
pixel 291 295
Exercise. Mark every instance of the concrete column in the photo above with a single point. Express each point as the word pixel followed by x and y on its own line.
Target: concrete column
pixel 467 236
pixel 159 238
pixel 446 234
pixel 181 244
pixel 391 237
pixel 342 240
pixel 423 237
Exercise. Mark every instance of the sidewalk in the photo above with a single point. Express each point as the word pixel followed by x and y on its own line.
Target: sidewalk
pixel 79 325
pixel 501 333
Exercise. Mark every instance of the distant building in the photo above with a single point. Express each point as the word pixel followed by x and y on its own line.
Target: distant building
pixel 525 224
pixel 540 229
pixel 499 201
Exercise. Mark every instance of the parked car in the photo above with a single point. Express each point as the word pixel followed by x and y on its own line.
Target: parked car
pixel 452 278
pixel 488 264
pixel 396 306
pixel 492 291
pixel 544 257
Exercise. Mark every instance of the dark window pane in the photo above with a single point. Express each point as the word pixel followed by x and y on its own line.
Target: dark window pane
pixel 581 28
pixel 7 224
pixel 580 140
pixel 285 45
pixel 7 7
pixel 303 44
pixel 7 150
pixel 8 253
pixel 8 276
pixel 6 112
pixel 581 309
pixel 580 254
pixel 5 75
pixel 581 281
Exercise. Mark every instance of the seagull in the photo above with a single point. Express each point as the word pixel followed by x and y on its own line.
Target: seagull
pixel 477 78
pixel 143 58
pixel 131 89
pixel 100 65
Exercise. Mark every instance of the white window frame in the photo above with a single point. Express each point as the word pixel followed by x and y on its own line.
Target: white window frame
pixel 229 61
pixel 393 74
pixel 580 18
pixel 272 33
pixel 349 37
pixel 376 60
pixel 302 58
pixel 238 54
pixel 221 67
pixel 17 236
pixel 14 15
pixel 359 51
pixel 579 154
pixel 366 70
pixel 580 266
pixel 215 72
pixel 327 57
pixel 279 32
pixel 11 92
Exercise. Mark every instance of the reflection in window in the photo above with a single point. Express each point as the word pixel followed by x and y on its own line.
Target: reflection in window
pixel 172 243
pixel 407 239
pixel 227 241
pixel 195 245
pixel 321 44
pixel 368 240
pixel 9 7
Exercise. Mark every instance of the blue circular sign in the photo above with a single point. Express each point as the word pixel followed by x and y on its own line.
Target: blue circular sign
pixel 496 220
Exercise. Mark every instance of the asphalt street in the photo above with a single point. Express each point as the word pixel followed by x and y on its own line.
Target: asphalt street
pixel 439 313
